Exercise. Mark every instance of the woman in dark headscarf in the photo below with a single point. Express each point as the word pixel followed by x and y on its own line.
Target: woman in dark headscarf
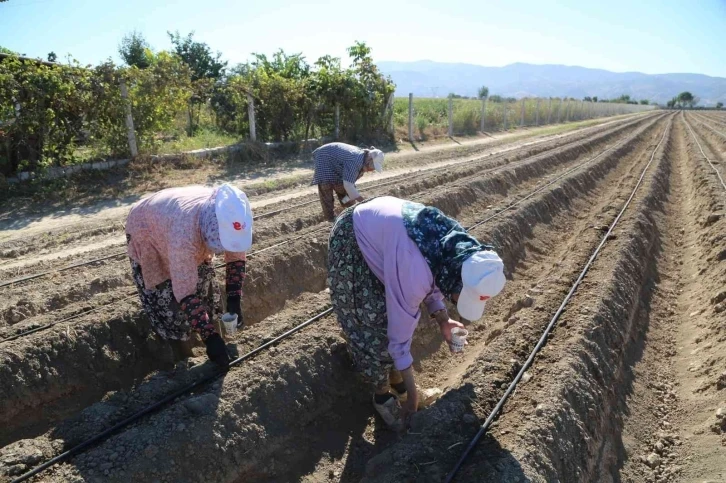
pixel 386 257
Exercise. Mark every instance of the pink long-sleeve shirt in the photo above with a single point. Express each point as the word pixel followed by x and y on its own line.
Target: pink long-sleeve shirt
pixel 398 263
pixel 166 239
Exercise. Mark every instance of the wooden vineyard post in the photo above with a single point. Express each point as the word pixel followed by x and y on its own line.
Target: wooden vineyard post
pixel 251 115
pixel 451 117
pixel 337 121
pixel 536 114
pixel 131 132
pixel 549 111
pixel 521 121
pixel 410 117
pixel 483 112
pixel 390 111
pixel 504 109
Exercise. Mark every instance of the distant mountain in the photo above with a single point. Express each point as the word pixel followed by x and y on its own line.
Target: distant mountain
pixel 426 78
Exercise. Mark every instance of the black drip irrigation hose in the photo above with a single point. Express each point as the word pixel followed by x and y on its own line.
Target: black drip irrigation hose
pixel 169 398
pixel 718 173
pixel 163 402
pixel 543 340
pixel 418 173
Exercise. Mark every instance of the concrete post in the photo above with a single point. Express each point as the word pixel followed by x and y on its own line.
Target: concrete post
pixel 337 121
pixel 131 132
pixel 410 117
pixel 521 121
pixel 549 111
pixel 483 112
pixel 251 115
pixel 451 117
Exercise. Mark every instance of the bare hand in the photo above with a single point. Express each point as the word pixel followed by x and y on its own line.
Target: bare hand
pixel 446 328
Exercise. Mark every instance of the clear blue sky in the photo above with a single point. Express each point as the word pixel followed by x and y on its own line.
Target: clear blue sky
pixel 648 36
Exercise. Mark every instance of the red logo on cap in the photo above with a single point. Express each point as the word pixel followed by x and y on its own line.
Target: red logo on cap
pixel 237 225
pixel 484 297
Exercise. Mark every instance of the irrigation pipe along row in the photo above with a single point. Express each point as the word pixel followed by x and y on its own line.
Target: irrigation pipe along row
pixel 205 380
pixel 162 402
pixel 543 339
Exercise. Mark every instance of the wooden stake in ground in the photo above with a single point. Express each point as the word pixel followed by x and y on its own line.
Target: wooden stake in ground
pixel 451 117
pixel 251 115
pixel 410 117
pixel 133 149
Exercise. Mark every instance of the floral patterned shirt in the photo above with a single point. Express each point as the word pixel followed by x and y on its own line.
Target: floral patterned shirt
pixel 166 238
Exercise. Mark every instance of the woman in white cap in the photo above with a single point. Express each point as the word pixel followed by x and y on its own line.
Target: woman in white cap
pixel 337 167
pixel 171 238
pixel 387 256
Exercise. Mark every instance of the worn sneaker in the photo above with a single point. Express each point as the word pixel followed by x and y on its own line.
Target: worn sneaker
pixel 389 411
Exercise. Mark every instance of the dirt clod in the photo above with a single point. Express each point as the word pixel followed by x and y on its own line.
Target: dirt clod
pixel 653 460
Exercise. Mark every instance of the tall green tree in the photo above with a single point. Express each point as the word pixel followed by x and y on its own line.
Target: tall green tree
pixel 206 67
pixel 483 92
pixel 719 105
pixel 686 99
pixel 198 56
pixel 135 50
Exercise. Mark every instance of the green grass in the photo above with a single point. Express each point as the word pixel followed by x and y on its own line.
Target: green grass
pixel 431 115
pixel 204 138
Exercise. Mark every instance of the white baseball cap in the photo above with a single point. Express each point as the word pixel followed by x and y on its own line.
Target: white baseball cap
pixel 482 275
pixel 234 215
pixel 377 156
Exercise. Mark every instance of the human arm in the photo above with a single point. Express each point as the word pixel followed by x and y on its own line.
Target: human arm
pixel 235 271
pixel 353 193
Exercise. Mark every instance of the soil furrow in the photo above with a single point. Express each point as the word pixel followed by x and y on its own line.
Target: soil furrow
pixel 77 286
pixel 247 408
pixel 542 435
pixel 294 219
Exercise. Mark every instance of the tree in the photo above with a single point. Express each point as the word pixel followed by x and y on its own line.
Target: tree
pixel 594 98
pixel 135 50
pixel 719 105
pixel 686 98
pixel 483 92
pixel 587 99
pixel 52 57
pixel 207 68
pixel 198 56
pixel 645 102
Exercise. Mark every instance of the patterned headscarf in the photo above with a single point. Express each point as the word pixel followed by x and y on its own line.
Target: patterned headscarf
pixel 443 242
pixel 209 226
